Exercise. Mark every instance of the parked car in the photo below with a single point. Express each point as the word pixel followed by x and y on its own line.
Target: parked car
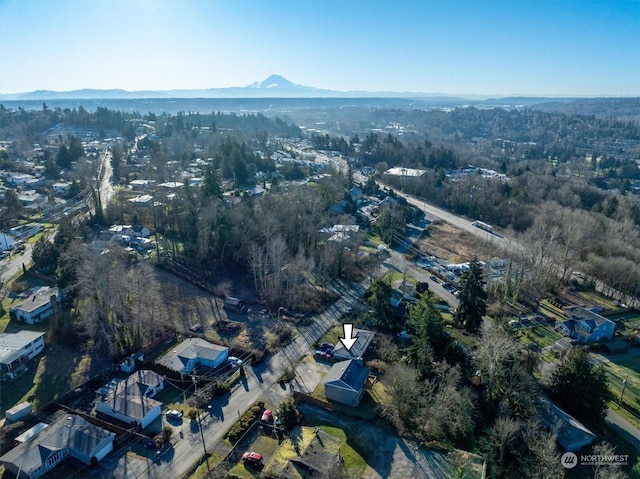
pixel 173 414
pixel 252 458
pixel 269 418
pixel 325 351
pixel 234 362
pixel 433 278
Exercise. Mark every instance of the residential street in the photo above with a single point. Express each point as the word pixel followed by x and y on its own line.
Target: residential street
pixel 11 265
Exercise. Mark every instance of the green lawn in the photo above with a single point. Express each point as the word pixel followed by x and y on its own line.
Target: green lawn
pixel 543 336
pixel 332 336
pixel 50 375
pixel 304 440
pixel 621 367
pixel 353 461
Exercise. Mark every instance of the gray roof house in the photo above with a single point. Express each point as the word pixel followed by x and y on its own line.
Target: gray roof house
pixel 586 326
pixel 571 434
pixel 364 338
pixel 68 436
pixel 345 382
pixel 130 401
pixel 194 352
pixel 41 303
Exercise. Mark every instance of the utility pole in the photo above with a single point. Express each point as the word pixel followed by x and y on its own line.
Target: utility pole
pixel 624 385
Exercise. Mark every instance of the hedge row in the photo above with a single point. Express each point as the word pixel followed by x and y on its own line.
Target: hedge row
pixel 245 422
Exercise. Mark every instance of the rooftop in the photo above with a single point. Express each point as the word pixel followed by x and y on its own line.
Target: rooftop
pixel 347 374
pixel 11 343
pixel 69 431
pixel 364 338
pixel 191 348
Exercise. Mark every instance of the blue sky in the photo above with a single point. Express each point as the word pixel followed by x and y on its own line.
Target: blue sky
pixel 485 47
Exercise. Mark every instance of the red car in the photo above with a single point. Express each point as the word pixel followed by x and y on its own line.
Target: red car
pixel 252 458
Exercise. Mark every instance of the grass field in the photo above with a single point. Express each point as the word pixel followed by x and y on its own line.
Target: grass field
pixel 49 376
pixel 210 463
pixel 543 336
pixel 625 367
pixel 305 441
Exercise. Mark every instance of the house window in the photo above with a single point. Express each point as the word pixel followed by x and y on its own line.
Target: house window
pixel 54 459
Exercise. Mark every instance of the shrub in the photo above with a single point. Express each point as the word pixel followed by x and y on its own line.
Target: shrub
pixel 377 366
pixel 245 422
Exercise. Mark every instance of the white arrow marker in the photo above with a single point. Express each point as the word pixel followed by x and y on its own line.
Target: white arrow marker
pixel 348 339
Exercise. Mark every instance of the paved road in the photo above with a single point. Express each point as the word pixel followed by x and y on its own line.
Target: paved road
pixel 12 265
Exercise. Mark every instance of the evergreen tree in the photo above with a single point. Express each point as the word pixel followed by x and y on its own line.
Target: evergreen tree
pixel 430 338
pixel 472 298
pixel 63 158
pixel 76 150
pixel 379 298
pixel 580 387
pixel 211 184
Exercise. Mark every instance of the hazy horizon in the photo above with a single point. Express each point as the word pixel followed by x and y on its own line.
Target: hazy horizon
pixel 490 48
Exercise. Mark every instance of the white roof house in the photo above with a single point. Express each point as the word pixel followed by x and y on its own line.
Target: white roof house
pixel 16 349
pixel 405 172
pixel 194 352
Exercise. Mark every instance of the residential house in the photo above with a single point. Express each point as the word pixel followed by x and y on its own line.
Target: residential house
pixel 16 349
pixel 194 352
pixel 6 242
pixel 572 435
pixel 345 382
pixel 41 303
pixel 20 179
pixel 61 188
pixel 405 172
pixel 314 458
pixel 586 326
pixel 141 185
pixel 31 198
pixel 171 185
pixel 68 436
pixel 142 200
pixel 363 341
pixel 131 231
pixel 130 401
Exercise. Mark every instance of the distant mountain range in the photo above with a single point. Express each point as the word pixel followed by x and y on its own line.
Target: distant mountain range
pixel 274 86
